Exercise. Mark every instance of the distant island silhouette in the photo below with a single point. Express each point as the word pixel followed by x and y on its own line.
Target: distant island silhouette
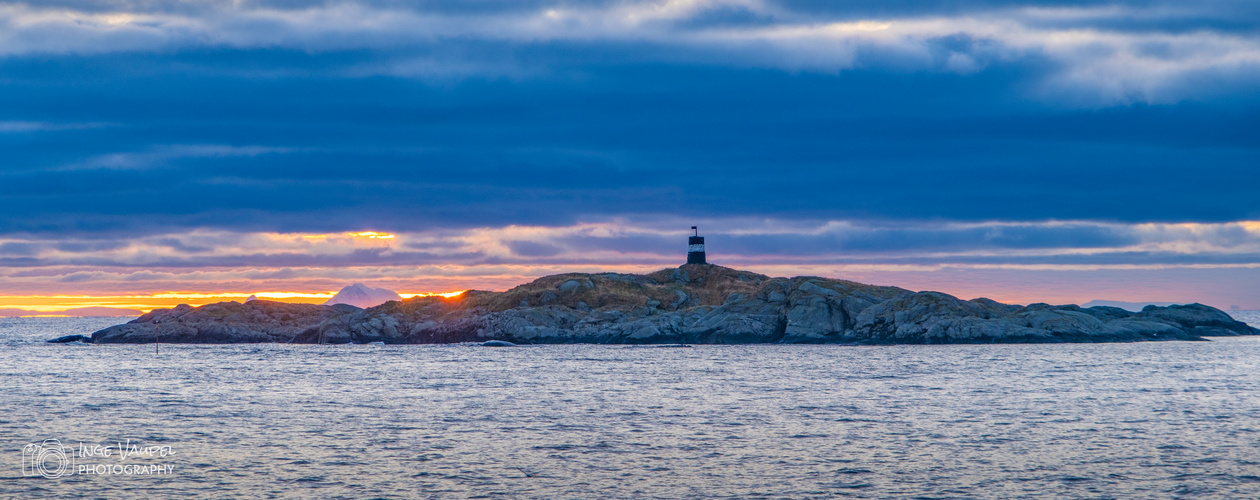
pixel 693 304
pixel 1128 306
pixel 78 311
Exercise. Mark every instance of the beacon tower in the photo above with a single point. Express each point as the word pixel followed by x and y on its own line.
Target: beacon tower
pixel 695 248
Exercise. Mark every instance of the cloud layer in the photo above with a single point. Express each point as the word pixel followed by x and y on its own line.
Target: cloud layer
pixel 328 116
pixel 1049 244
pixel 1121 51
pixel 499 258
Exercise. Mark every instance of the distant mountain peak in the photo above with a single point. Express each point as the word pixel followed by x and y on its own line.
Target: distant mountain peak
pixel 251 298
pixel 1128 306
pixel 360 295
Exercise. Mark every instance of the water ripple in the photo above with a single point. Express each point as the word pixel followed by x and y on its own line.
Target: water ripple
pixel 581 421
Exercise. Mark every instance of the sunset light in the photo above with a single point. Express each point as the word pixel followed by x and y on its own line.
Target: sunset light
pixel 373 235
pixel 443 294
pixel 146 303
pixel 630 248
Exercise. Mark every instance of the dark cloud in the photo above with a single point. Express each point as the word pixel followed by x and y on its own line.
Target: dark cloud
pixel 78 277
pixel 533 249
pixel 407 155
pixel 282 139
pixel 887 241
pixel 90 245
pixel 22 249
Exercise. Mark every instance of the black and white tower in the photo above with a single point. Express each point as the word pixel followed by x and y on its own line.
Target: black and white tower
pixel 695 248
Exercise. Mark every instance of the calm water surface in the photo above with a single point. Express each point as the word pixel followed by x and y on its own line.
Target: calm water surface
pixel 1144 420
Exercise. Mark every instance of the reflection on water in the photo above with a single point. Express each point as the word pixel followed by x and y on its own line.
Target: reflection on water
pixel 995 421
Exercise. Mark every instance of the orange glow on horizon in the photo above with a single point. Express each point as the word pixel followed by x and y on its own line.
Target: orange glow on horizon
pixel 54 304
pixel 432 294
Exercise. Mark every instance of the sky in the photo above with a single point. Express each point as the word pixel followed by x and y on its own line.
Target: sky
pixel 163 152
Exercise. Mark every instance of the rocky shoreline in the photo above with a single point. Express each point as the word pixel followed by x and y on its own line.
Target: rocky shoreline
pixel 692 304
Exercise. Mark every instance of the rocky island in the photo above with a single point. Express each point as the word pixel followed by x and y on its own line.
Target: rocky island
pixel 694 303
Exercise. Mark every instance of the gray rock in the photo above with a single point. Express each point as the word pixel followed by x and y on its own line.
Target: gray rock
pixel 1058 321
pixel 1203 320
pixel 682 299
pixel 937 318
pixel 814 318
pixel 993 304
pixel 1104 313
pixel 223 323
pixel 1128 329
pixel 706 304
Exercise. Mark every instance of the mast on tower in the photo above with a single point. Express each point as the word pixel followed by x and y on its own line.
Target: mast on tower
pixel 695 248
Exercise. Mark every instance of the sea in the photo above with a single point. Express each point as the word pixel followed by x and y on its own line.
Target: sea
pixel 1127 420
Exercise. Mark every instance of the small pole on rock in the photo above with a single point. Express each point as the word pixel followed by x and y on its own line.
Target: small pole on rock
pixel 156 337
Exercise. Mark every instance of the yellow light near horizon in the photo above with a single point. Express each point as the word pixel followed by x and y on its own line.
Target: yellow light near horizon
pixel 53 304
pixel 432 294
pixel 146 303
pixel 185 295
pixel 373 235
